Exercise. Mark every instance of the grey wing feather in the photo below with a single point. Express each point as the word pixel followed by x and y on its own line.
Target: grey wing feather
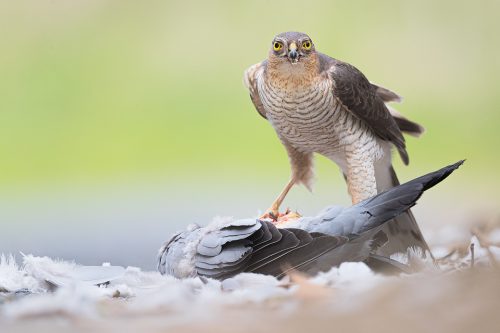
pixel 267 250
pixel 220 237
pixel 231 260
pixel 370 217
pixel 395 201
pixel 211 243
pixel 173 251
pixel 403 231
pixel 223 251
pixel 275 237
pixel 250 78
pixel 231 254
pixel 385 265
pixel 288 241
pixel 299 256
pixel 307 258
pixel 359 97
pixel 271 263
pixel 390 203
pixel 269 237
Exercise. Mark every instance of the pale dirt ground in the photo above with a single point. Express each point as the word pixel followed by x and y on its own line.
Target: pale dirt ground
pixel 456 298
pixel 466 301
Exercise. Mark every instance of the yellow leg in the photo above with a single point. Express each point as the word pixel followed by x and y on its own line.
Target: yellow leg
pixel 273 211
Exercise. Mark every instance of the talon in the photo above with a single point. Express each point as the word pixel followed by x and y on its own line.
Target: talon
pixel 273 212
pixel 270 214
pixel 273 216
pixel 280 218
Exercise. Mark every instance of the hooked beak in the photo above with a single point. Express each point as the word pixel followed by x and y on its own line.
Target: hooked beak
pixel 293 55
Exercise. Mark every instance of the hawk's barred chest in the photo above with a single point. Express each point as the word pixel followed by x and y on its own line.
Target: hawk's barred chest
pixel 309 117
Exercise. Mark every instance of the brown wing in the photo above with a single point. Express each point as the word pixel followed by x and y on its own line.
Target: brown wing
pixel 250 79
pixel 386 95
pixel 360 98
pixel 406 126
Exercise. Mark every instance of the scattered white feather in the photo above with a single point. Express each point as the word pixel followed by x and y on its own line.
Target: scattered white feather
pixel 480 253
pixel 61 273
pixel 254 287
pixel 76 295
pixel 12 278
pixel 440 251
pixel 417 260
pixel 355 276
pixel 78 300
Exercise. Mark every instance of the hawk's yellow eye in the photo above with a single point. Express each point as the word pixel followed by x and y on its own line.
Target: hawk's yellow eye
pixel 277 46
pixel 306 45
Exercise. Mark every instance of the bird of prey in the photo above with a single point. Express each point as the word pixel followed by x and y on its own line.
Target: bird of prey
pixel 318 104
pixel 225 248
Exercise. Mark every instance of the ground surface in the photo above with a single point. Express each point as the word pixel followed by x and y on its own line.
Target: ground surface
pixel 455 295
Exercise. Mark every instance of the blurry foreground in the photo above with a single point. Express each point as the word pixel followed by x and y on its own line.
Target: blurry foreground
pixel 458 294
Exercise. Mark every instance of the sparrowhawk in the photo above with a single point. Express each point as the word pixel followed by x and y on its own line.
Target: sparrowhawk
pixel 318 104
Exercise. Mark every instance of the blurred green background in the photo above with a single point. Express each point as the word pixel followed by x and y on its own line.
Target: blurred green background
pixel 120 118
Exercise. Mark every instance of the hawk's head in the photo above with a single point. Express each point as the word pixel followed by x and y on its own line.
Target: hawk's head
pixel 292 53
pixel 292 47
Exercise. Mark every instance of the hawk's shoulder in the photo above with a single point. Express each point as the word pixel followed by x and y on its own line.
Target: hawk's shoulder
pixel 250 78
pixel 361 98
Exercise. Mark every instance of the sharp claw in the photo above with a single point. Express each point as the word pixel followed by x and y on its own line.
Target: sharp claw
pixel 277 217
pixel 273 216
pixel 270 215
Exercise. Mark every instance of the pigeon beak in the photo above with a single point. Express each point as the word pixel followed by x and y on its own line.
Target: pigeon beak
pixel 293 55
